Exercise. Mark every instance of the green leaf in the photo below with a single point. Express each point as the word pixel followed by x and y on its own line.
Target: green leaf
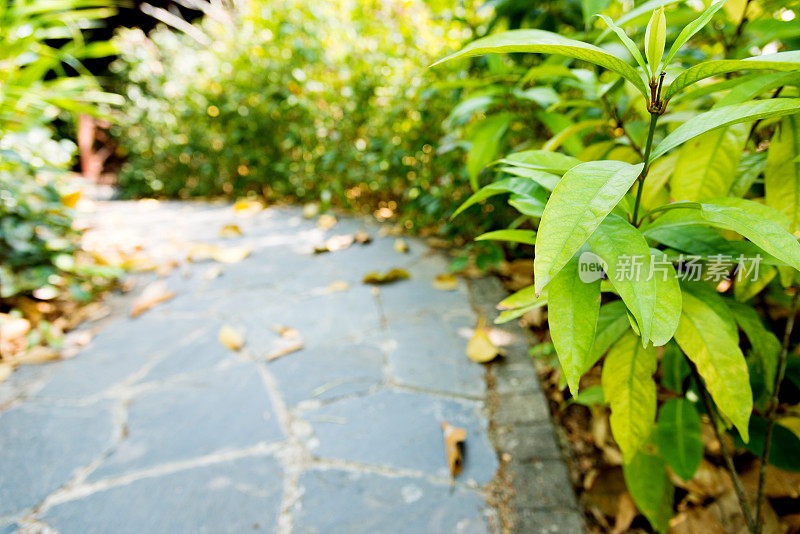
pixel 765 344
pixel 584 196
pixel 678 437
pixel 519 186
pixel 706 165
pixel 648 483
pixel 655 193
pixel 707 335
pixel 627 41
pixel 692 28
pixel 486 137
pixel 652 297
pixel 782 173
pixel 545 179
pixel 630 390
pixel 750 166
pixel 639 10
pixel 725 116
pixel 541 160
pixel 591 396
pixel 572 311
pixel 785 444
pixel 612 322
pixel 655 37
pixel 527 237
pixel 520 299
pixel 674 368
pixel 782 61
pixel 527 205
pixel 544 42
pixel 590 8
pixel 748 288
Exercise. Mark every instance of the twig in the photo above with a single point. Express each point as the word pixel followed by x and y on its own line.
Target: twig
pixel 771 409
pixel 737 483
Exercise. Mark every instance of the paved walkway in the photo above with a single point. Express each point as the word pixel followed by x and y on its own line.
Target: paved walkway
pixel 157 427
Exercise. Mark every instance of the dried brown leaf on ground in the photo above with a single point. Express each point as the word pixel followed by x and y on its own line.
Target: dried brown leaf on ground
pixel 212 272
pixel 400 246
pixel 153 294
pixel 626 513
pixel 709 481
pixel 284 350
pixel 13 331
pixel 230 230
pixel 231 254
pixel 454 438
pixel 780 484
pixel 38 354
pixel 230 337
pixel 164 269
pixel 337 285
pixel 362 237
pixel 285 332
pixel 337 242
pixel 392 275
pixel 5 370
pixel 480 347
pixel 445 282
pixel 326 222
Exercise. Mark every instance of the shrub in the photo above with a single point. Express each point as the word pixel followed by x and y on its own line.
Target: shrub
pixel 686 159
pixel 288 103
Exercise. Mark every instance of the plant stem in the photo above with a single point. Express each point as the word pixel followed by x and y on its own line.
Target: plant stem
pixel 647 148
pixel 737 483
pixel 771 409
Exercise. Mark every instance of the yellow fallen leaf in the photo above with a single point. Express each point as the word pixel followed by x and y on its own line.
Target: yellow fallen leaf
pixel 166 268
pixel 38 354
pixel 393 275
pixel 337 285
pixel 445 282
pixel 400 246
pixel 285 332
pixel 247 205
pixel 337 242
pixel 201 251
pixel 212 272
pixel 230 337
pixel 231 254
pixel 5 370
pixel 230 230
pixel 70 200
pixel 480 348
pixel 310 210
pixel 326 222
pixel 362 237
pixel 283 351
pixel 454 438
pixel 153 294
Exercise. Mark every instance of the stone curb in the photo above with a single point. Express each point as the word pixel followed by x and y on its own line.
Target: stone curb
pixel 532 490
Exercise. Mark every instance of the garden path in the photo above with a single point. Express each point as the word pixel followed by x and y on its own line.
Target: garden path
pixel 156 426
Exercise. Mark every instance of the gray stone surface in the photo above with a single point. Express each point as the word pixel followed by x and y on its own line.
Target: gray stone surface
pixel 238 496
pixel 379 503
pixel 156 427
pixel 550 521
pixel 43 446
pixel 403 430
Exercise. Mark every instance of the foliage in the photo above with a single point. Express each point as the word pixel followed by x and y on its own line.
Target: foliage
pixel 41 46
pixel 661 172
pixel 288 104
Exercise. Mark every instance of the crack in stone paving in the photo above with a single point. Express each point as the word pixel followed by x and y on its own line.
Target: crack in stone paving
pixel 345 434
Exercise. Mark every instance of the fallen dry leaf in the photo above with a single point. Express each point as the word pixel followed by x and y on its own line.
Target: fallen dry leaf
pixel 480 348
pixel 708 481
pixel 392 275
pixel 230 230
pixel 38 354
pixel 780 484
pixel 362 237
pixel 626 513
pixel 337 285
pixel 230 337
pixel 310 210
pixel 70 200
pixel 231 254
pixel 337 242
pixel 153 294
pixel 12 335
pixel 245 206
pixel 445 282
pixel 212 272
pixel 285 332
pixel 400 246
pixel 454 438
pixel 326 222
pixel 5 370
pixel 164 269
pixel 283 351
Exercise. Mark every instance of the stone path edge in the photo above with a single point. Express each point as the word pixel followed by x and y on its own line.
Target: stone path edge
pixel 532 489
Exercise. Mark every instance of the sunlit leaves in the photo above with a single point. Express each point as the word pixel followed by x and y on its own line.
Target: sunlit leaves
pixel 707 334
pixel 630 390
pixel 539 41
pixel 541 160
pixel 782 173
pixel 519 186
pixel 655 38
pixel 485 136
pixel 581 200
pixel 526 237
pixel 572 310
pixel 725 116
pixel 692 28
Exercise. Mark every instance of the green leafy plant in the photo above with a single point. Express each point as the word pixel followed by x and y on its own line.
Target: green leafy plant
pixel 668 199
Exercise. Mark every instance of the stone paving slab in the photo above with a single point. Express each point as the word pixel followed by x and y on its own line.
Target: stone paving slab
pixel 156 427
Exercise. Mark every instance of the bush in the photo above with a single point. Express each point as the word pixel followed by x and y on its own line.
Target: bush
pixel 296 100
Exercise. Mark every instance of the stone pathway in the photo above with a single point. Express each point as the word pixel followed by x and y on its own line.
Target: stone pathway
pixel 156 427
